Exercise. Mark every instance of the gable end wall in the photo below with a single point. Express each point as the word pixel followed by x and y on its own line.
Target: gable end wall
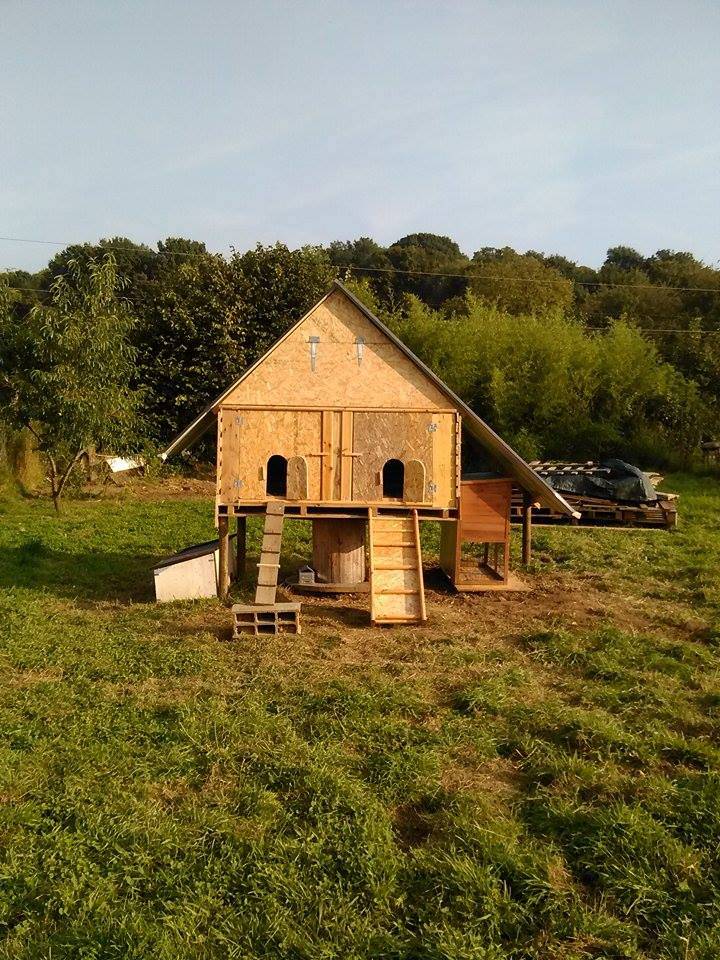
pixel 385 378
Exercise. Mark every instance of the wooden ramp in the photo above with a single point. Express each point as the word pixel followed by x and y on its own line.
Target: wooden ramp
pixel 397 594
pixel 269 565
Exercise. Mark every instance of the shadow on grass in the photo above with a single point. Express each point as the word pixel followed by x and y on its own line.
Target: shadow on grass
pixel 92 576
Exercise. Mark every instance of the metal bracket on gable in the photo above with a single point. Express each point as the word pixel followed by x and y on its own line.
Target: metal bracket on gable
pixel 313 341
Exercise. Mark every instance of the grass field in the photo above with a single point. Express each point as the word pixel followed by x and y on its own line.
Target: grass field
pixel 527 776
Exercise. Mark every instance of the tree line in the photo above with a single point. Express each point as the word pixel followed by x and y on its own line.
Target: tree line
pixel 563 359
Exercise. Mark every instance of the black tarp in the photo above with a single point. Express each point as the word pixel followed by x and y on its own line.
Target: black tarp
pixel 614 480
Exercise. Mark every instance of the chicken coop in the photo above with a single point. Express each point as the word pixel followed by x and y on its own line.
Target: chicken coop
pixel 341 425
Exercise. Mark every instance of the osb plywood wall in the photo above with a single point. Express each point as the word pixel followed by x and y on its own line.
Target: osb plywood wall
pixel 247 439
pixel 343 451
pixel 385 377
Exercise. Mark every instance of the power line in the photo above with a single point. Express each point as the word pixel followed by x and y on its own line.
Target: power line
pixel 114 247
pixel 480 276
pixel 680 330
pixel 397 270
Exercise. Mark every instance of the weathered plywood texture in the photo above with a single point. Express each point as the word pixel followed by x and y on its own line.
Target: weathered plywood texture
pixel 407 436
pixel 382 436
pixel 248 438
pixel 346 455
pixel 385 377
pixel 415 486
pixel 227 456
pixel 297 478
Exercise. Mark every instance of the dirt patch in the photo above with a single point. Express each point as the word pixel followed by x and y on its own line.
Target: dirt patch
pixel 497 778
pixel 412 826
pixel 554 600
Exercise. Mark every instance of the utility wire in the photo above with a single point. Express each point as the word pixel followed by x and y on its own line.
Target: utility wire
pixel 395 270
pixel 683 330
pixel 482 276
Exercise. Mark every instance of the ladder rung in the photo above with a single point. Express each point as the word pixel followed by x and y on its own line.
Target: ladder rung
pixel 397 593
pixel 276 565
pixel 410 618
pixel 398 543
pixel 393 566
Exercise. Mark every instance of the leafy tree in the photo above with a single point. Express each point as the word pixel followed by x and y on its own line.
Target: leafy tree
pixel 190 340
pixel 518 283
pixel 134 262
pixel 206 319
pixel 276 286
pixel 624 258
pixel 65 369
pixel 553 388
pixel 425 254
pixel 375 264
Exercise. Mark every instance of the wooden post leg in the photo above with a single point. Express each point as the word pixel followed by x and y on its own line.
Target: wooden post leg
pixel 526 529
pixel 224 556
pixel 241 547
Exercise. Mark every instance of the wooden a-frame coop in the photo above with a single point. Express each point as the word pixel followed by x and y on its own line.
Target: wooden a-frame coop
pixel 340 424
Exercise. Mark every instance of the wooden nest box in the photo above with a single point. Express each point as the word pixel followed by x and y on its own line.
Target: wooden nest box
pixel 345 426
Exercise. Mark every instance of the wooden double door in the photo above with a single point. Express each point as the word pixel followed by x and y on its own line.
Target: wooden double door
pixel 337 455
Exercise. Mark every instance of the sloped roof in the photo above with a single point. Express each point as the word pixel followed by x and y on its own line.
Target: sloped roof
pixel 517 468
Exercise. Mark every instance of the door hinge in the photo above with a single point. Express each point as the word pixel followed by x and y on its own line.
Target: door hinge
pixel 432 487
pixel 239 421
pixel 237 483
pixel 432 427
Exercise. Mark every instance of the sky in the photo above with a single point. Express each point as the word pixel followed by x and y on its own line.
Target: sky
pixel 566 127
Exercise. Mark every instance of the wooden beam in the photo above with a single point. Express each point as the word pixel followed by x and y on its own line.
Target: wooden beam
pixel 527 529
pixel 224 557
pixel 241 548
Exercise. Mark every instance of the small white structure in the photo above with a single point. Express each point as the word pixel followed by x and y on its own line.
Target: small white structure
pixel 121 464
pixel 190 574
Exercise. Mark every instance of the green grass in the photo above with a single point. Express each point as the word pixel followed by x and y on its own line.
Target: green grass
pixel 528 777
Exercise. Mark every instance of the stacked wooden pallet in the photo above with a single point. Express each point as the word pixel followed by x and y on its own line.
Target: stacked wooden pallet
pixel 598 511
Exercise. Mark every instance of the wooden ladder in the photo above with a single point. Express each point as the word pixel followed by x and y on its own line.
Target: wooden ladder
pixel 269 565
pixel 397 594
